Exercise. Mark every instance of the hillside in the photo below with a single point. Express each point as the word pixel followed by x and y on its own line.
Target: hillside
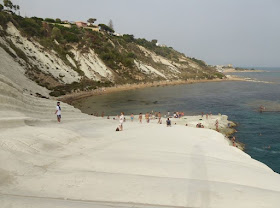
pixel 67 59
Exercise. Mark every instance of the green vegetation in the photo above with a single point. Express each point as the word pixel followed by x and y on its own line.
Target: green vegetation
pixel 106 28
pixel 50 20
pixel 199 62
pixel 9 5
pixel 166 52
pixel 91 20
pixel 57 20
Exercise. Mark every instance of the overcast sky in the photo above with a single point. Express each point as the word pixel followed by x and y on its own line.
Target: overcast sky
pixel 241 32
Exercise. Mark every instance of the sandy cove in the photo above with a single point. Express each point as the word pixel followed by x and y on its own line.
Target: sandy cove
pixel 106 90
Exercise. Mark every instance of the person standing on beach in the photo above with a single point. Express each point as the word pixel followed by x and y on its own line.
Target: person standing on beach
pixel 151 116
pixel 58 112
pixel 140 117
pixel 121 119
pixel 132 117
pixel 147 117
pixel 159 118
pixel 217 125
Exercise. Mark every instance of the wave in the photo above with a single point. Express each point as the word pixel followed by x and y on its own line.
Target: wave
pixel 266 149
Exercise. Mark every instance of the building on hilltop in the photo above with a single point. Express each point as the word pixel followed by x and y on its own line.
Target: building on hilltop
pixel 117 34
pixel 160 45
pixel 230 66
pixel 93 28
pixel 81 24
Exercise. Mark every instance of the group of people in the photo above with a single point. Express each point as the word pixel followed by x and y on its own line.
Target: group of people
pixel 178 114
pixel 199 125
pixel 207 115
pixel 147 116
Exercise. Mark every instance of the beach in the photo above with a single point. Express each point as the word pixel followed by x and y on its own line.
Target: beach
pixel 118 88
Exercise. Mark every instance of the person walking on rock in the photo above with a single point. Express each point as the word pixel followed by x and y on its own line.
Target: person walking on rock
pixel 121 119
pixel 58 112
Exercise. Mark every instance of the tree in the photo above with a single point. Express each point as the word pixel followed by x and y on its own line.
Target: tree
pixel 110 24
pixel 50 20
pixel 91 20
pixel 57 20
pixel 56 33
pixel 106 28
pixel 8 4
pixel 1 7
pixel 154 41
pixel 128 38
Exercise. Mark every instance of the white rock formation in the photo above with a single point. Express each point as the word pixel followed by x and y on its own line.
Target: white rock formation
pixel 149 70
pixel 92 65
pixel 46 61
pixel 83 162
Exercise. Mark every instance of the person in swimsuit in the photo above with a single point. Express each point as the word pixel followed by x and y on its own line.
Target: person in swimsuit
pixel 140 117
pixel 121 119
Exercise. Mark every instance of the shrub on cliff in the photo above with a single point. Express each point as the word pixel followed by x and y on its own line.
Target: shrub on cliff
pixel 50 20
pixel 106 28
pixel 200 62
pixel 4 19
pixel 56 34
pixel 128 38
pixel 85 84
pixel 57 20
pixel 1 7
pixel 30 26
pixel 71 38
pixel 37 19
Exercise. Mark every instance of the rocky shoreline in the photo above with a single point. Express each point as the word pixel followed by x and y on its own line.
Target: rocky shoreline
pixel 226 127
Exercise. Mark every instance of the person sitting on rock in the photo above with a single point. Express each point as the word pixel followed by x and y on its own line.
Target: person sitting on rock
pixel 168 122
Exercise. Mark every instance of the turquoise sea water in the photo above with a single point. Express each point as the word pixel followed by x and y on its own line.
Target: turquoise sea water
pixel 239 100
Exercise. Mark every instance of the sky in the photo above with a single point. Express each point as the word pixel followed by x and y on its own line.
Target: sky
pixel 239 32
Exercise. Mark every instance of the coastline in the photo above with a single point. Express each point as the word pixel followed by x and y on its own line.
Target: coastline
pixel 243 71
pixel 69 98
pixel 226 127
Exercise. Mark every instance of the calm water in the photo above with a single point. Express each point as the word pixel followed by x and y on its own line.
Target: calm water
pixel 238 100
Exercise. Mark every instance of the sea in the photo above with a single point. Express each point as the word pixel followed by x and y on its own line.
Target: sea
pixel 260 132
